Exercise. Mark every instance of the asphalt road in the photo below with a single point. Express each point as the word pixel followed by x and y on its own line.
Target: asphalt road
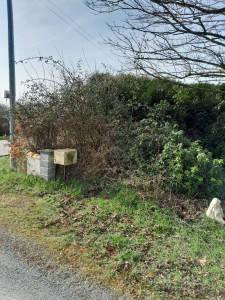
pixel 4 149
pixel 24 278
pixel 19 281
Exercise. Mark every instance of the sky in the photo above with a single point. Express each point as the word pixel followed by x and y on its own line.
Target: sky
pixel 40 30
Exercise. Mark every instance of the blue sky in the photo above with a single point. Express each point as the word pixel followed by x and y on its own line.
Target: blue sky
pixel 38 30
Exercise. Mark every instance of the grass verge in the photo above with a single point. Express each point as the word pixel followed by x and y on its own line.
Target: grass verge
pixel 4 138
pixel 123 242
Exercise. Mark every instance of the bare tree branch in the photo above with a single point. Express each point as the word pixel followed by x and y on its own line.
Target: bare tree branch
pixel 178 39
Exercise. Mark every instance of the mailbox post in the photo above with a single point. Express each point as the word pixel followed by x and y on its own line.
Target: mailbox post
pixel 65 157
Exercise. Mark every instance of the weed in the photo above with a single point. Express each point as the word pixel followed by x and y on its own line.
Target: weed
pixel 128 239
pixel 14 182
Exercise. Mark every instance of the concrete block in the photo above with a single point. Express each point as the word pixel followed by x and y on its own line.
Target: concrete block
pixel 47 166
pixel 33 166
pixel 47 155
pixel 47 171
pixel 48 178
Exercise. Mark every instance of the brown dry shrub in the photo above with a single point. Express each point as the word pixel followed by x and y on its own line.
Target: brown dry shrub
pixel 18 149
pixel 19 146
pixel 79 113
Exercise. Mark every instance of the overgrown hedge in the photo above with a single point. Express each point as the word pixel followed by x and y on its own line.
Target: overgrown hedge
pixel 126 126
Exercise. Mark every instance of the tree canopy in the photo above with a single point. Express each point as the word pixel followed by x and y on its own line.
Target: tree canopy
pixel 175 39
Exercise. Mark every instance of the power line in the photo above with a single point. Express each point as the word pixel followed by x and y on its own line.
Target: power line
pixel 85 32
pixel 66 15
pixel 68 23
pixel 55 13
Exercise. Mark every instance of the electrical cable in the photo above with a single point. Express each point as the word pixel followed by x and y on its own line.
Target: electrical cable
pixel 67 16
pixel 75 29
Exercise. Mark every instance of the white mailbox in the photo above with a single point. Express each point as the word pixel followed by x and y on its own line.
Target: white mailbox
pixel 65 157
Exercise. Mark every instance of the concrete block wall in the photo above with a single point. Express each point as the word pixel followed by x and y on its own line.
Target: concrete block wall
pixel 47 166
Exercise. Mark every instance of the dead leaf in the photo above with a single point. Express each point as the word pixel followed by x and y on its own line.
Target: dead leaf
pixel 150 275
pixel 111 249
pixel 115 217
pixel 202 261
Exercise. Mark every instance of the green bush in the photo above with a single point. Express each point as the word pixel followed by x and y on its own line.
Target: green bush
pixel 146 139
pixel 4 120
pixel 122 124
pixel 160 150
pixel 191 169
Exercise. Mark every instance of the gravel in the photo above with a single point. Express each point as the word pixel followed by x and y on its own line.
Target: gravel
pixel 26 272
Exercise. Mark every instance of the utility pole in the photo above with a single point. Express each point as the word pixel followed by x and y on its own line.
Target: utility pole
pixel 12 81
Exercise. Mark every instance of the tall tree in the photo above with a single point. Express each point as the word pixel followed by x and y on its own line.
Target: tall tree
pixel 175 39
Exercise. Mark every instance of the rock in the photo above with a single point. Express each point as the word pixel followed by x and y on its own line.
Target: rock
pixel 215 211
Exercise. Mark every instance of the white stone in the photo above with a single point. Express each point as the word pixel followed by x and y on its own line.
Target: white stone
pixel 33 166
pixel 215 211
